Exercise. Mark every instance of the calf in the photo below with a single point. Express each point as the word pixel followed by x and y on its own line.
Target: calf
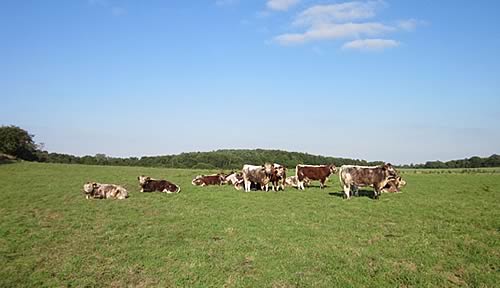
pixel 257 174
pixel 313 173
pixel 357 176
pixel 205 180
pixel 151 185
pixel 104 191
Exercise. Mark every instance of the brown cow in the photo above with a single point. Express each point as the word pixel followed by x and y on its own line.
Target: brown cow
pixel 313 173
pixel 205 180
pixel 278 177
pixel 357 176
pixel 151 185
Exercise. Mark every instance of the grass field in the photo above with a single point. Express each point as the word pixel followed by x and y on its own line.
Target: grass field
pixel 443 230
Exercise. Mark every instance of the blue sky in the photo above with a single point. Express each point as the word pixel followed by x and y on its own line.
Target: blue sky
pixel 400 81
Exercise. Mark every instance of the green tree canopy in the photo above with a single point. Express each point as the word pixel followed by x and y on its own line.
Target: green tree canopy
pixel 17 142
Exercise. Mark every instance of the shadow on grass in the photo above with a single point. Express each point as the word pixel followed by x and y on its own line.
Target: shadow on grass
pixel 361 193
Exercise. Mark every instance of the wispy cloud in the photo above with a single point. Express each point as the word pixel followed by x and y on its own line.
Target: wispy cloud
pixel 370 44
pixel 410 24
pixel 332 31
pixel 281 5
pixel 348 20
pixel 338 13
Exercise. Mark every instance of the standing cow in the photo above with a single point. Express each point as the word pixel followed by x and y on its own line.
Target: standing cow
pixel 352 176
pixel 278 177
pixel 257 174
pixel 313 173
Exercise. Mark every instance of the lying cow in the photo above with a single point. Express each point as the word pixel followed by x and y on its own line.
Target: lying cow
pixel 394 185
pixel 278 177
pixel 352 176
pixel 149 184
pixel 261 175
pixel 313 173
pixel 205 180
pixel 104 191
pixel 294 181
pixel 234 178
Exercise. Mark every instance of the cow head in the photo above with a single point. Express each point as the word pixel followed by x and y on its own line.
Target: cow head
pixel 390 171
pixel 89 187
pixel 401 182
pixel 143 179
pixel 268 168
pixel 198 181
pixel 333 169
pixel 279 170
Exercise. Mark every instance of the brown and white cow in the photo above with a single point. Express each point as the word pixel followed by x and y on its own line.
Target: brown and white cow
pixel 352 176
pixel 234 178
pixel 205 180
pixel 104 191
pixel 149 184
pixel 313 173
pixel 394 185
pixel 257 174
pixel 294 181
pixel 278 177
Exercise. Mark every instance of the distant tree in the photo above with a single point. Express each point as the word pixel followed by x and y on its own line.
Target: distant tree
pixel 17 142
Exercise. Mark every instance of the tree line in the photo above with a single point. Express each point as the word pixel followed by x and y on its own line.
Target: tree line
pixel 19 143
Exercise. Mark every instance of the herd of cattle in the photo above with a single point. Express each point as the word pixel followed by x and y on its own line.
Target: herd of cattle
pixel 383 178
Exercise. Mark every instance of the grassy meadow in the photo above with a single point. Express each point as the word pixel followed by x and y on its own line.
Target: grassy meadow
pixel 442 231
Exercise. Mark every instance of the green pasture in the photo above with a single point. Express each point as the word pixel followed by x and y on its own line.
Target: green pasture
pixel 442 231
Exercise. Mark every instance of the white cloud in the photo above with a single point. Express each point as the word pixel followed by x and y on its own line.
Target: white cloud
pixel 334 31
pixel 281 5
pixel 338 13
pixel 351 21
pixel 410 24
pixel 371 44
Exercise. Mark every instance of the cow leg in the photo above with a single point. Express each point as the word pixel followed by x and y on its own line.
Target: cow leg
pixel 356 190
pixel 376 191
pixel 142 189
pixel 347 191
pixel 247 185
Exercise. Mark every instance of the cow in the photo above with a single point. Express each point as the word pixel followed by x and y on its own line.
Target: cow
pixel 394 185
pixel 205 180
pixel 257 174
pixel 278 177
pixel 294 182
pixel 313 173
pixel 149 184
pixel 234 178
pixel 352 176
pixel 104 191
